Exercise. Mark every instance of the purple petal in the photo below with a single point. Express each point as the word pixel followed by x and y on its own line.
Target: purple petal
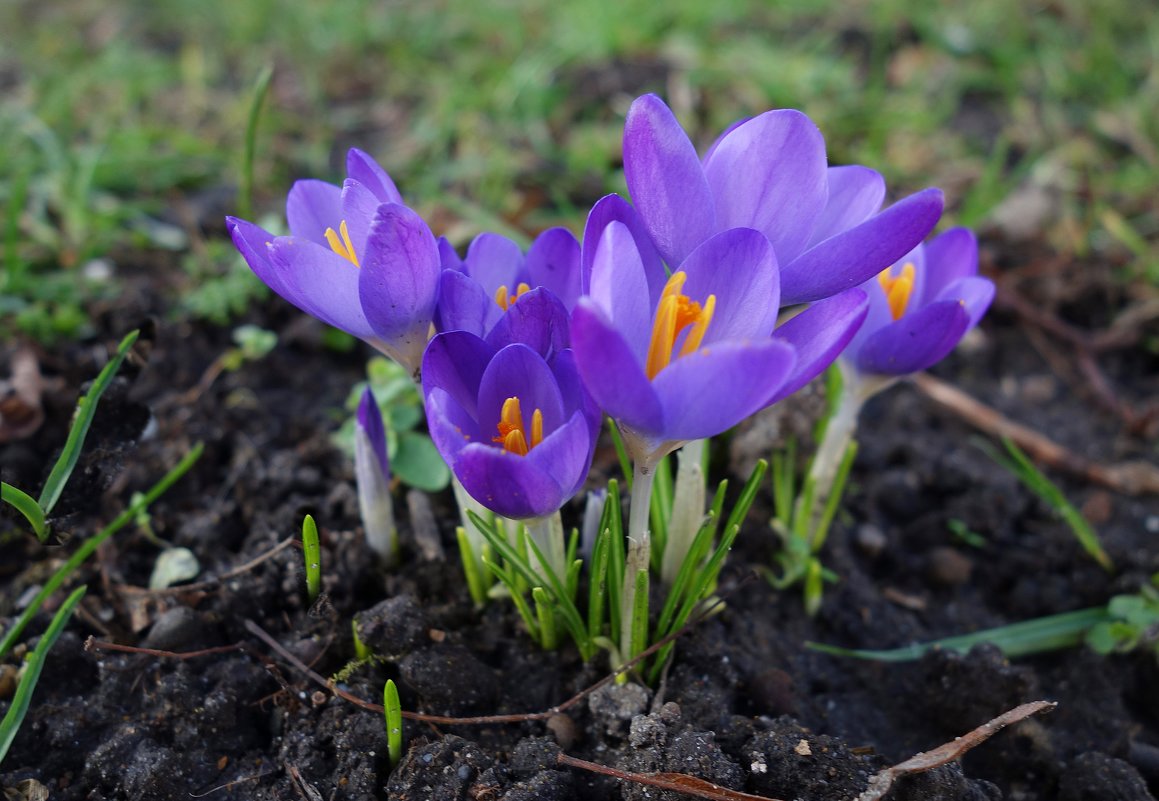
pixel 613 208
pixel 723 135
pixel 362 168
pixel 619 287
pixel 575 394
pixel 519 372
pixel 494 261
pixel 610 370
pixel 713 389
pixel 950 255
pixel 400 271
pixel 323 284
pixel 312 207
pixel 740 268
pixel 464 306
pixel 855 256
pixel 450 426
pixel 665 179
pixel 770 174
pixel 818 335
pixel 370 421
pixel 254 244
pixel 553 261
pixel 448 255
pixel 566 455
pixel 358 209
pixel 454 363
pixel 975 292
pixel 509 485
pixel 855 195
pixel 537 319
pixel 914 342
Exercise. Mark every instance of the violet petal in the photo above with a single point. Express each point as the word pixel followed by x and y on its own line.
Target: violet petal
pixel 914 342
pixel 818 335
pixel 611 371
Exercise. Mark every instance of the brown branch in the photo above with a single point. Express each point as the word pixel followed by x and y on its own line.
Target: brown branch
pixel 880 782
pixel 677 782
pixel 1130 478
pixel 479 720
pixel 93 644
pixel 210 584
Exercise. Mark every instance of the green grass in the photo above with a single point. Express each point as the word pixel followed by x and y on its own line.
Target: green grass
pixel 509 114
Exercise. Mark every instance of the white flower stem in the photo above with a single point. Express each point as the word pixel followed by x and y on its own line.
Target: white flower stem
pixel 547 534
pixel 687 508
pixel 639 547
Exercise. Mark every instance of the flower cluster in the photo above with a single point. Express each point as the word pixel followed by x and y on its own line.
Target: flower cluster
pixel 669 315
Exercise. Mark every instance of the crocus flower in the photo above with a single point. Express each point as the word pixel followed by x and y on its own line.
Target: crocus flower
pixel 356 258
pixel 518 430
pixel 475 292
pixel 704 356
pixel 921 307
pixel 769 173
pixel 372 471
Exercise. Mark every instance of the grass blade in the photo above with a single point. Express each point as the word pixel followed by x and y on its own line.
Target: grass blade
pixel 32 667
pixel 1037 636
pixel 86 407
pixel 27 506
pixel 245 200
pixel 92 543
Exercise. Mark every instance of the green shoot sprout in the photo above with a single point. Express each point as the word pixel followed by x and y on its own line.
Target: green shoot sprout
pixel 392 709
pixel 32 667
pixel 313 558
pixel 1033 479
pixel 37 512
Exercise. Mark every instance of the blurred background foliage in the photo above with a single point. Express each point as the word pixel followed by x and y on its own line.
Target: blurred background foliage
pixel 122 123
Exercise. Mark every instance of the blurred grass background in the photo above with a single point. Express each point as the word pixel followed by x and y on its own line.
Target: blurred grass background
pixel 122 123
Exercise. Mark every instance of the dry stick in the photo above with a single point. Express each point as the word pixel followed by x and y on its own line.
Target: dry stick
pixel 317 678
pixel 881 781
pixel 879 784
pixel 93 644
pixel 1130 478
pixel 677 782
pixel 212 583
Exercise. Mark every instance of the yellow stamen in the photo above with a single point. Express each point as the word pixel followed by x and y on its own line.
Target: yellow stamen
pixel 512 434
pixel 342 245
pixel 897 288
pixel 675 312
pixel 506 300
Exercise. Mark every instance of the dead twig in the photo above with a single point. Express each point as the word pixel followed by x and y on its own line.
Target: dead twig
pixel 1129 478
pixel 210 584
pixel 880 782
pixel 93 644
pixel 479 720
pixel 677 782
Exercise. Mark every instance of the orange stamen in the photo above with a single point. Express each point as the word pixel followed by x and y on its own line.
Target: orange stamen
pixel 512 434
pixel 506 300
pixel 897 288
pixel 675 312
pixel 342 244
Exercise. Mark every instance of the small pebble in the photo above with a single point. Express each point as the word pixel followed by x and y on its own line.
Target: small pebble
pixel 7 681
pixel 1098 508
pixel 870 540
pixel 948 566
pixel 563 729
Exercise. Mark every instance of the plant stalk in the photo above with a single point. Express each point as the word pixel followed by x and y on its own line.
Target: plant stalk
pixel 547 534
pixel 687 509
pixel 639 547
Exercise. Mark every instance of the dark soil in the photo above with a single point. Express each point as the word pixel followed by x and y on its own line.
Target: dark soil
pixel 744 705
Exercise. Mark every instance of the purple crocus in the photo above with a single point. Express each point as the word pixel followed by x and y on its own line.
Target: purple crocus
pixel 372 471
pixel 517 430
pixel 356 258
pixel 475 292
pixel 704 356
pixel 921 307
pixel 769 173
